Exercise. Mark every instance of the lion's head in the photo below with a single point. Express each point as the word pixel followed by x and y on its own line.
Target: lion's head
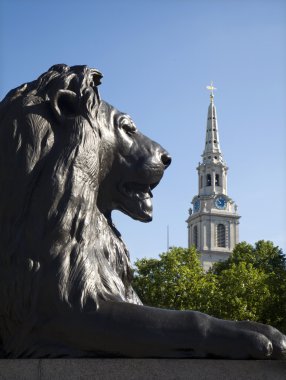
pixel 134 166
pixel 67 159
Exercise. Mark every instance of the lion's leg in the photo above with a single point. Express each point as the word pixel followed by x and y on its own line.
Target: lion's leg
pixel 122 329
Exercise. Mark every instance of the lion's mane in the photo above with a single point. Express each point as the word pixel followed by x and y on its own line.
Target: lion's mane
pixel 57 248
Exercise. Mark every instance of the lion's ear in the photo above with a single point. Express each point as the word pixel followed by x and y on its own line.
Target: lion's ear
pixel 65 104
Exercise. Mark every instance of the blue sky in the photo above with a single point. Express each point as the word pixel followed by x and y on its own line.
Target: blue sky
pixel 157 57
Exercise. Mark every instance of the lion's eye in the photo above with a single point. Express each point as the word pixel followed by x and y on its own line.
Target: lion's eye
pixel 130 129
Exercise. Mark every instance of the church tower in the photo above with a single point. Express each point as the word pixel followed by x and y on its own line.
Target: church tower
pixel 213 221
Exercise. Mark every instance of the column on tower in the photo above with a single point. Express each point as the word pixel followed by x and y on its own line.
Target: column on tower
pixel 199 181
pixel 213 180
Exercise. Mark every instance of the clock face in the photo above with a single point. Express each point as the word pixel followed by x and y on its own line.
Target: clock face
pixel 220 202
pixel 197 205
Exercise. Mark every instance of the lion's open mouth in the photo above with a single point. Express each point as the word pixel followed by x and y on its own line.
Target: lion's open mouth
pixel 136 200
pixel 138 190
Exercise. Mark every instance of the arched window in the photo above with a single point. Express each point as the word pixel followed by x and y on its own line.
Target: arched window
pixel 201 181
pixel 195 236
pixel 220 235
pixel 209 180
pixel 217 180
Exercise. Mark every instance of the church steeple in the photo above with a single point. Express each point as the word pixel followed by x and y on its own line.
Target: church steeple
pixel 212 151
pixel 213 221
pixel 212 170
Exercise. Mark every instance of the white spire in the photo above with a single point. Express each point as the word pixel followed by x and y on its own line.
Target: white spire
pixel 212 152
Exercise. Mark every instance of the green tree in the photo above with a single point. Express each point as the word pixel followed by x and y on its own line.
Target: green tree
pixel 269 285
pixel 176 280
pixel 241 292
pixel 263 255
pixel 251 284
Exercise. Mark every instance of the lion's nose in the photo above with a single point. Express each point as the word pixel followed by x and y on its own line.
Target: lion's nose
pixel 166 159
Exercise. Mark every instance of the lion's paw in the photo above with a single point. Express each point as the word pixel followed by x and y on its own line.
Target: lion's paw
pixel 277 339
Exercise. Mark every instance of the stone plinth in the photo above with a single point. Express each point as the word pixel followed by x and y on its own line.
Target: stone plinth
pixel 145 369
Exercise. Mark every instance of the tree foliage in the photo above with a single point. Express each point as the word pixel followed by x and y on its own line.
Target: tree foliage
pixel 250 285
pixel 266 264
pixel 263 255
pixel 176 280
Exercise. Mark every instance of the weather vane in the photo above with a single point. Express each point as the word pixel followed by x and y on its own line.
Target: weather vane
pixel 211 88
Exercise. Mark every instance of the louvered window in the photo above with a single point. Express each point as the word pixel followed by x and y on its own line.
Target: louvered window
pixel 220 235
pixel 195 236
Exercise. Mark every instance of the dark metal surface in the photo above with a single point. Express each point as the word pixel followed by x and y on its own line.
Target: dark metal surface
pixel 67 159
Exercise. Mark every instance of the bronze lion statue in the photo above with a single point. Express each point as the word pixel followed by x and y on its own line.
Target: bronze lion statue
pixel 67 160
